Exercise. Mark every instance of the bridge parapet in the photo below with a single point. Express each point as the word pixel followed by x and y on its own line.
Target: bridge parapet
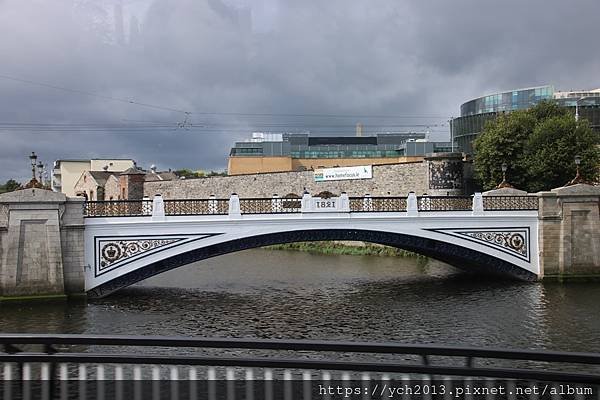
pixel 307 204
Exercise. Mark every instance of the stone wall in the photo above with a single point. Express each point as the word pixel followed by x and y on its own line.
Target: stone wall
pixel 112 188
pixel 388 180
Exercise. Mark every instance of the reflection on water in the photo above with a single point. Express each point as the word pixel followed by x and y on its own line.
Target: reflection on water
pixel 281 294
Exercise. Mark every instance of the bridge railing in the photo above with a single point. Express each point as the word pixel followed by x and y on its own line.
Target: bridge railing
pixel 210 206
pixel 504 203
pixel 117 208
pixel 277 205
pixel 377 204
pixel 274 205
pixel 445 203
pixel 65 362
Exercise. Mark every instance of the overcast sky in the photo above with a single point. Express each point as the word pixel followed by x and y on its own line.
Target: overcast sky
pixel 357 59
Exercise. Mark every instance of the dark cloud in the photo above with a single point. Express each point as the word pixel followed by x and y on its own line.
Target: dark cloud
pixel 269 56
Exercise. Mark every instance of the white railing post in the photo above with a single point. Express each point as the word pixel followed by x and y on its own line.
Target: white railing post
pixel 158 208
pixel 212 204
pixel 412 209
pixel 234 206
pixel 344 202
pixel 305 202
pixel 276 203
pixel 367 203
pixel 478 204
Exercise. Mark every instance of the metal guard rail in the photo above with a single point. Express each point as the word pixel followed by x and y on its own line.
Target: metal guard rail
pixel 52 355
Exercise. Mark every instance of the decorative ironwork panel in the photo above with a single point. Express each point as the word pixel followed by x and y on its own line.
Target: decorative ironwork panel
pixel 513 241
pixel 270 206
pixel 115 251
pixel 502 203
pixel 444 203
pixel 445 175
pixel 197 207
pixel 118 208
pixel 111 252
pixel 378 204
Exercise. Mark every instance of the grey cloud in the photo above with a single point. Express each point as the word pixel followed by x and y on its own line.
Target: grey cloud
pixel 334 57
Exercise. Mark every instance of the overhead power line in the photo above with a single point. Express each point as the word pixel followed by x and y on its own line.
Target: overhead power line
pixel 216 113
pixel 92 94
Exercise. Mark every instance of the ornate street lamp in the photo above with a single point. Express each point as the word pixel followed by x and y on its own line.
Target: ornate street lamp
pixel 33 183
pixel 40 170
pixel 33 159
pixel 504 183
pixel 578 178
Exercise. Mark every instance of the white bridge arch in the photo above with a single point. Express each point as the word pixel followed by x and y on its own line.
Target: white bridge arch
pixel 128 241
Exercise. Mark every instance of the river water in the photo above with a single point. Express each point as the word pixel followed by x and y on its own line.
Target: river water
pixel 286 294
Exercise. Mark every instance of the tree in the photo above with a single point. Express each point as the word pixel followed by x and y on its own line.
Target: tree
pixel 188 173
pixel 538 145
pixel 10 186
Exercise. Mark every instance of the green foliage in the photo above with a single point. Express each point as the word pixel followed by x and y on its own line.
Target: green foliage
pixel 189 174
pixel 539 146
pixel 329 247
pixel 10 186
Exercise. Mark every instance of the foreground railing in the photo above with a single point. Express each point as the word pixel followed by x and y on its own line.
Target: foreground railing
pixel 292 368
pixel 308 204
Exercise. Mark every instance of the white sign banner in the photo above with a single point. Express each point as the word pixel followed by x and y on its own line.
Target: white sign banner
pixel 344 173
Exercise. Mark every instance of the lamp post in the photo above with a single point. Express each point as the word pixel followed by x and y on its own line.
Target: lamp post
pixel 40 167
pixel 33 159
pixel 578 178
pixel 504 184
pixel 34 183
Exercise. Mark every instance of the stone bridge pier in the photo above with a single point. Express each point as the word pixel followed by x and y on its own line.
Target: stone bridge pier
pixel 41 244
pixel 569 232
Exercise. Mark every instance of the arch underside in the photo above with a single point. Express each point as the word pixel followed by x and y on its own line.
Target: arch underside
pixel 455 255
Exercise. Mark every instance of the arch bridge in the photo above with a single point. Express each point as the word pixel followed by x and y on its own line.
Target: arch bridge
pixel 128 241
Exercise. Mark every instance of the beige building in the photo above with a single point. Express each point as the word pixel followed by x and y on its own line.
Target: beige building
pixel 97 185
pixel 126 185
pixel 66 173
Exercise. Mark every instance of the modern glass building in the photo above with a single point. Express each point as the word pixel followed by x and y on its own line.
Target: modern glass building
pixel 475 113
pixel 301 151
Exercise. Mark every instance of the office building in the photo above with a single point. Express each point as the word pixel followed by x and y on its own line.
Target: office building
pixel 475 113
pixel 301 151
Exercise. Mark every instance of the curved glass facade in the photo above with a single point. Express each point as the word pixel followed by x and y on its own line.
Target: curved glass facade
pixel 475 113
pixel 507 101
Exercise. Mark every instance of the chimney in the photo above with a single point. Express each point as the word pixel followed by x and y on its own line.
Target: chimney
pixel 153 168
pixel 359 127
